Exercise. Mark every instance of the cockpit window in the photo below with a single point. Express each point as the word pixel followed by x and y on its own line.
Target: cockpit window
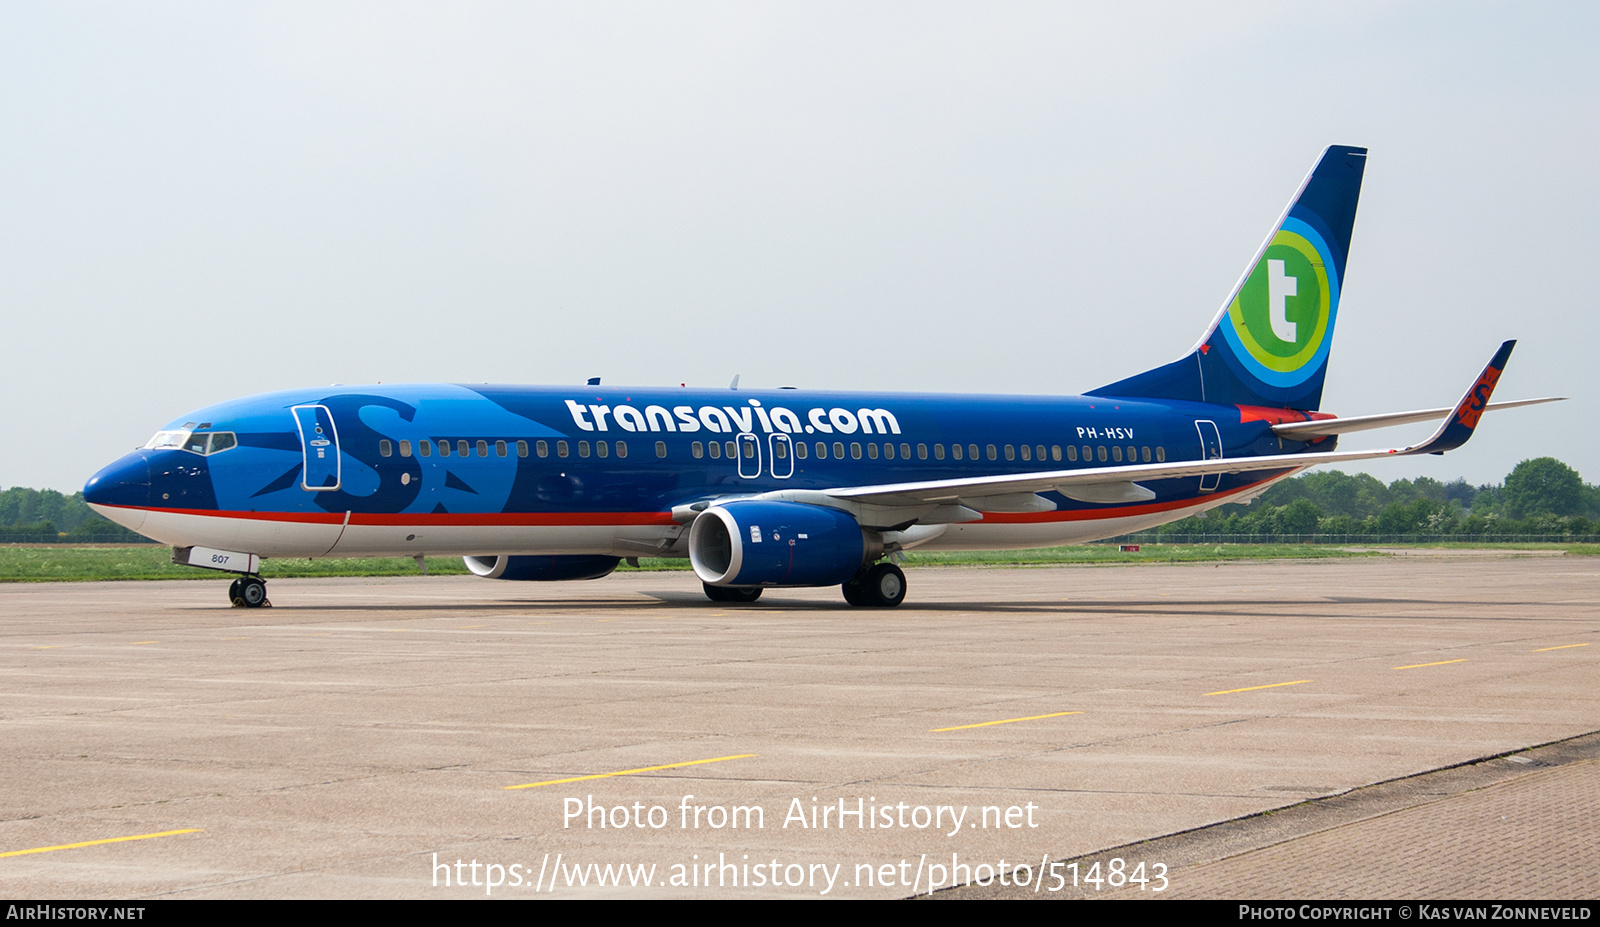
pixel 195 442
pixel 167 439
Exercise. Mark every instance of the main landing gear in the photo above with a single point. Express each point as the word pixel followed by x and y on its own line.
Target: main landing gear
pixel 249 592
pixel 732 593
pixel 883 585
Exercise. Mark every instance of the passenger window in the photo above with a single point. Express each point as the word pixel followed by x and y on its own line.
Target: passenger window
pixel 822 451
pixel 697 450
pixel 855 450
pixel 1038 451
pixel 992 454
pixel 661 448
pixel 905 451
pixel 463 449
pixel 385 448
pixel 780 451
pixel 1088 453
pixel 972 451
pixel 426 447
pixel 838 450
pixel 444 448
pixel 922 451
pixel 583 449
pixel 715 447
pixel 1055 452
pixel 956 451
pixel 601 450
pixel 1026 454
pixel 888 452
pixel 749 449
pixel 938 452
pixel 872 451
pixel 622 448
pixel 1116 454
pixel 1161 454
pixel 405 448
pixel 800 450
pixel 542 448
pixel 1011 453
pixel 522 449
pixel 729 450
pixel 499 449
pixel 483 448
pixel 1102 453
pixel 561 448
pixel 1072 452
pixel 1144 454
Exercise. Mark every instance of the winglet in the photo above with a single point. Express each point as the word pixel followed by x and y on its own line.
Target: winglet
pixel 1457 428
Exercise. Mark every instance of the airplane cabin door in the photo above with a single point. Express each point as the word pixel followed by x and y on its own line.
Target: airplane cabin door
pixel 780 455
pixel 319 442
pixel 1210 449
pixel 749 448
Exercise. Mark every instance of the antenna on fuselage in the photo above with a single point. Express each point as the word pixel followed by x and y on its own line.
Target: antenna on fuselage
pixel 735 383
pixel 594 381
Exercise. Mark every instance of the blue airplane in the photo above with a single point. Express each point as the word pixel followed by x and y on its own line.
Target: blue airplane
pixel 784 487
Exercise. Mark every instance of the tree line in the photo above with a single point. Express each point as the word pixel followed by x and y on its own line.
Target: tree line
pixel 1542 497
pixel 35 516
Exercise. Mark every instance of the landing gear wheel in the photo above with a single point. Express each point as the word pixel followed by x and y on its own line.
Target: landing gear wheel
pixel 252 592
pixel 234 594
pixel 884 586
pixel 854 594
pixel 732 593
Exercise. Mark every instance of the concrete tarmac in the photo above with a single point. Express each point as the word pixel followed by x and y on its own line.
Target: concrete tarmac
pixel 429 737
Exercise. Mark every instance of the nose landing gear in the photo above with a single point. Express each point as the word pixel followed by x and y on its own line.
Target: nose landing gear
pixel 249 592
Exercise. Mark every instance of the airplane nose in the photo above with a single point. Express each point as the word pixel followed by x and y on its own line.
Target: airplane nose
pixel 123 489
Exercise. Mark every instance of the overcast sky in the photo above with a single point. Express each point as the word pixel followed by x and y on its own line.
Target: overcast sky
pixel 199 201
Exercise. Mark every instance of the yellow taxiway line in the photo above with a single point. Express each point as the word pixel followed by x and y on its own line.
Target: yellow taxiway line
pixel 1254 688
pixel 630 772
pixel 963 727
pixel 95 843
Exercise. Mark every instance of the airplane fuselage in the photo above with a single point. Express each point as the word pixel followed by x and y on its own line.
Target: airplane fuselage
pixel 443 469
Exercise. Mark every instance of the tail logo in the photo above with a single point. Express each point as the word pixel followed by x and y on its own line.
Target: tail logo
pixel 1280 324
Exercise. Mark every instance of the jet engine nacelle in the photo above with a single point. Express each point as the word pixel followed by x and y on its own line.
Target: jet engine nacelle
pixel 541 568
pixel 757 543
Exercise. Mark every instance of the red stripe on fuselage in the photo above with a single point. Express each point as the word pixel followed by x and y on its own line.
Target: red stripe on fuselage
pixel 581 519
pixel 513 519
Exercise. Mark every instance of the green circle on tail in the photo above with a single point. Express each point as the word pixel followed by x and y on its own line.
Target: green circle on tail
pixel 1281 313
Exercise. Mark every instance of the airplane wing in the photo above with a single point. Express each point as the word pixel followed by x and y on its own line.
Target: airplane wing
pixel 1322 428
pixel 1120 483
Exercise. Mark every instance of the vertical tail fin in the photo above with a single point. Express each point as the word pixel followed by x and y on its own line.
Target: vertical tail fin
pixel 1268 346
